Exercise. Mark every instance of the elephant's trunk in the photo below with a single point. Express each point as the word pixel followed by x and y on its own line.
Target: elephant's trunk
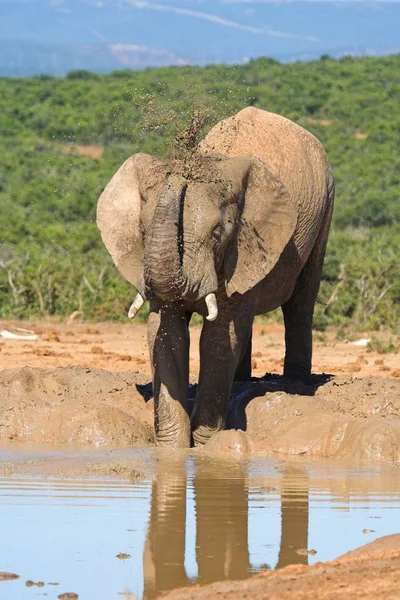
pixel 163 272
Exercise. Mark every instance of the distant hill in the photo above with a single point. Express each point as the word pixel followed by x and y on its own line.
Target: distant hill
pixel 26 58
pixel 56 36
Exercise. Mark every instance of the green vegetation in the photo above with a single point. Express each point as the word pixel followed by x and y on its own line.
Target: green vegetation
pixel 381 346
pixel 52 260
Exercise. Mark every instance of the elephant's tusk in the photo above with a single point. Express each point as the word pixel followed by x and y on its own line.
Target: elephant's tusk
pixel 136 306
pixel 212 307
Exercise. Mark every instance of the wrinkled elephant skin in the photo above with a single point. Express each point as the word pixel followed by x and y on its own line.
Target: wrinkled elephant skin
pixel 236 229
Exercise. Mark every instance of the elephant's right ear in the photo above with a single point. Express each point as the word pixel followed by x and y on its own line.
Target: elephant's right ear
pixel 118 214
pixel 267 223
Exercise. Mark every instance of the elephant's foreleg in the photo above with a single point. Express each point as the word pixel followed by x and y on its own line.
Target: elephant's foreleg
pixel 168 338
pixel 223 343
pixel 243 370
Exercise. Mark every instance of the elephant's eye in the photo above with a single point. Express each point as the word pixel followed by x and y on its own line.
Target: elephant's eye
pixel 216 233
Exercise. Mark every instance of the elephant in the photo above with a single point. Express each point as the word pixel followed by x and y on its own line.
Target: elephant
pixel 236 229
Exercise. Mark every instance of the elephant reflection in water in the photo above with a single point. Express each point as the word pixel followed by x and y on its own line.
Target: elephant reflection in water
pixel 221 530
pixel 164 552
pixel 221 535
pixel 294 517
pixel 222 549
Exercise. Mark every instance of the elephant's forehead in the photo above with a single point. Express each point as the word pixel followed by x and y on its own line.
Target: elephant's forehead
pixel 202 203
pixel 212 193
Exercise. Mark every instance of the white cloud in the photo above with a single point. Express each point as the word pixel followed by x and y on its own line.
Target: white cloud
pixel 125 52
pixel 267 31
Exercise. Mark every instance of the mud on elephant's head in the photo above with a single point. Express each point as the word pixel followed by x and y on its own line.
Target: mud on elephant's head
pixel 182 230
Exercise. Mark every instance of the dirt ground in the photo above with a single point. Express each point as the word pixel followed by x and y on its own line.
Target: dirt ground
pixel 372 571
pixel 123 347
pixel 87 386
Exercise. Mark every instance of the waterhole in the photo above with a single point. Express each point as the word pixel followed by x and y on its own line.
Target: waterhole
pixel 190 520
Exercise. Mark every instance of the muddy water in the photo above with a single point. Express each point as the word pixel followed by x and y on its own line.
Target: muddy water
pixel 189 520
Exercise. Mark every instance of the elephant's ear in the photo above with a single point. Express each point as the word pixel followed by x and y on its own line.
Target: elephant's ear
pixel 267 223
pixel 118 215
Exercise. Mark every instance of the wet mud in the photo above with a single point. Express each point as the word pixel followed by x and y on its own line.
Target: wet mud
pixel 337 417
pixel 4 576
pixel 372 571
pixel 333 417
pixel 74 406
pixel 31 583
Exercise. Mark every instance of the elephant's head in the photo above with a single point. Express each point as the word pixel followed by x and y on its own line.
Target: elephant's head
pixel 180 230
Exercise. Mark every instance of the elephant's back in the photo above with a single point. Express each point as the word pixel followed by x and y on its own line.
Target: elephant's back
pixel 288 149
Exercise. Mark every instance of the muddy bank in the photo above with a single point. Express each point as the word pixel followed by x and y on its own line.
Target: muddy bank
pixel 135 466
pixel 372 571
pixel 74 406
pixel 335 417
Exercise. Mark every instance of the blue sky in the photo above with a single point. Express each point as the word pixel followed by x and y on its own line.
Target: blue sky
pixel 205 31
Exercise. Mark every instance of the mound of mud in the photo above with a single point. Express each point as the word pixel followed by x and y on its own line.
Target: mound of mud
pixel 372 571
pixel 333 418
pixel 337 417
pixel 74 405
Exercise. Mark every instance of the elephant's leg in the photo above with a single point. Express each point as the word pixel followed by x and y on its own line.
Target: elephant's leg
pixel 222 344
pixel 298 339
pixel 299 309
pixel 168 338
pixel 243 371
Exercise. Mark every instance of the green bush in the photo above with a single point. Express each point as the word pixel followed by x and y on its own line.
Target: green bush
pixel 382 346
pixel 52 260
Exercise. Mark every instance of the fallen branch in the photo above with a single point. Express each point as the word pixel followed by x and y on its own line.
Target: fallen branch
pixel 77 315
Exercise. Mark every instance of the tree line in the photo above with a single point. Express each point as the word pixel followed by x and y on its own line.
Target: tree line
pixel 61 139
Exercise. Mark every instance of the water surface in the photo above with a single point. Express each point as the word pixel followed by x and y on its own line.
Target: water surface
pixel 195 521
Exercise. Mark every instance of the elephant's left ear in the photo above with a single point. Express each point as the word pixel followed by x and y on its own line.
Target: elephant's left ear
pixel 267 223
pixel 119 214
